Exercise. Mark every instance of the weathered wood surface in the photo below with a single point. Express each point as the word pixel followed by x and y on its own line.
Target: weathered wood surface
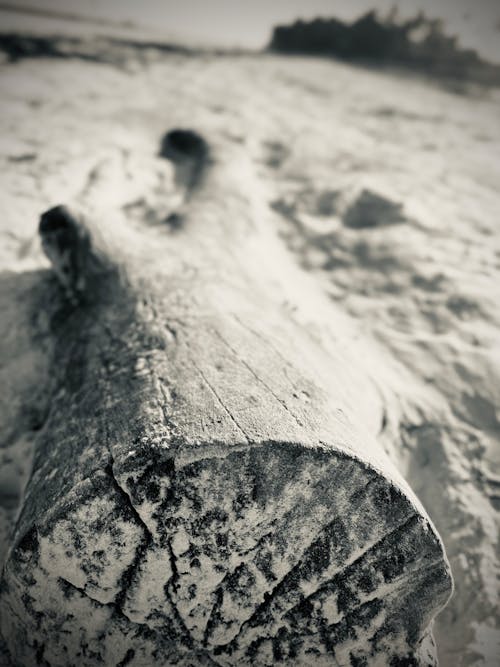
pixel 200 491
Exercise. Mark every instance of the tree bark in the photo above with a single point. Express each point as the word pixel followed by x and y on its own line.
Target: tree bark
pixel 203 492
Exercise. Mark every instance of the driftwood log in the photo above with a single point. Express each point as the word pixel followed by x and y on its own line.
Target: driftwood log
pixel 200 494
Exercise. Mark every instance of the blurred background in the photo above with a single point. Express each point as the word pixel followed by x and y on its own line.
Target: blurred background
pixel 249 25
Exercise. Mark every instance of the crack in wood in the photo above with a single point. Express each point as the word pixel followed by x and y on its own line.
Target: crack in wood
pixel 259 379
pixel 219 399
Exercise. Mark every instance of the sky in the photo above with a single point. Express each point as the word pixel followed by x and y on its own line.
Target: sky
pixel 250 23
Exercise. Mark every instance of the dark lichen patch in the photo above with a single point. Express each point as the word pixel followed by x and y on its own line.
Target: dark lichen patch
pixel 69 591
pixel 368 581
pixel 273 470
pixel 393 566
pixel 240 503
pixel 360 618
pixel 221 540
pixel 278 642
pixel 127 658
pixel 39 654
pixel 240 583
pixel 334 635
pixel 333 541
pixel 405 661
pixel 386 496
pixel 358 660
pixel 347 597
pixel 264 562
pixel 145 474
pixel 28 545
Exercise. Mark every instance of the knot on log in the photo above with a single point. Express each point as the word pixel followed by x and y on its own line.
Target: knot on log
pixel 67 243
pixel 190 154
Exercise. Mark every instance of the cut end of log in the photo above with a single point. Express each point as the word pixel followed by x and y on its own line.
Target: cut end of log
pixel 272 553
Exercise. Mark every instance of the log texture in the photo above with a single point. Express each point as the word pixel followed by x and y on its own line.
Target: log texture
pixel 200 492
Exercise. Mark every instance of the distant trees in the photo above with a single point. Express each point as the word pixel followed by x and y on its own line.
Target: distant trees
pixel 419 42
